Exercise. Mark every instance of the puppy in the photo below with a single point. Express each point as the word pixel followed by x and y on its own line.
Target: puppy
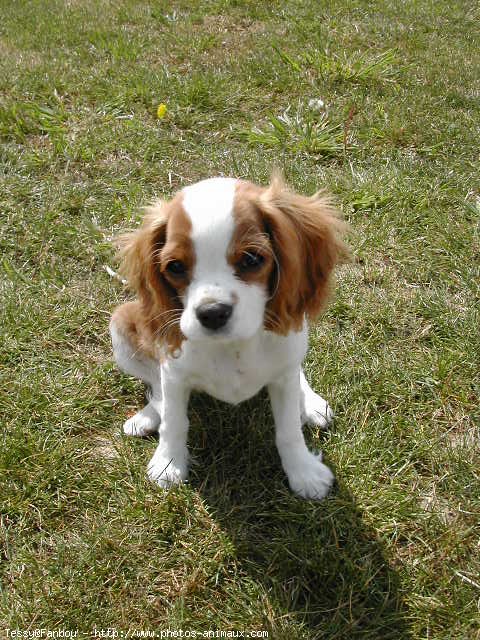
pixel 227 274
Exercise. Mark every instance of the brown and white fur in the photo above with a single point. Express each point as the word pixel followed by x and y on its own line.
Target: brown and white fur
pixel 227 275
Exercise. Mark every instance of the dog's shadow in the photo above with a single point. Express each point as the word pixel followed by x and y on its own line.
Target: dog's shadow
pixel 319 563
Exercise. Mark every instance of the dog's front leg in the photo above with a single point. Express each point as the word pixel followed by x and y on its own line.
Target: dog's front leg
pixel 307 475
pixel 169 464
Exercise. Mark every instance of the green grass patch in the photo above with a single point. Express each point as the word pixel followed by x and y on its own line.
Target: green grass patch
pixel 364 67
pixel 302 132
pixel 379 104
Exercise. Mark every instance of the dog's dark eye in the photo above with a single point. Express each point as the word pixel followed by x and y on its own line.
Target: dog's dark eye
pixel 176 268
pixel 251 261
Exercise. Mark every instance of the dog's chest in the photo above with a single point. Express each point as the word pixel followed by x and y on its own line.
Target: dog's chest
pixel 229 376
pixel 234 374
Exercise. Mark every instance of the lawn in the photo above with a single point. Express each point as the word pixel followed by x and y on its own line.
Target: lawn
pixel 87 542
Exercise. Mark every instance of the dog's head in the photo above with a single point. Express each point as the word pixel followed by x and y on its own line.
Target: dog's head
pixel 225 258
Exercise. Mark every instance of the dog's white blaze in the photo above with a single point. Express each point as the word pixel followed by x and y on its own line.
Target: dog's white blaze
pixel 209 205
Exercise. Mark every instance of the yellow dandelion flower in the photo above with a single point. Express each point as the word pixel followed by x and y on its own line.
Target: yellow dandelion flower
pixel 161 110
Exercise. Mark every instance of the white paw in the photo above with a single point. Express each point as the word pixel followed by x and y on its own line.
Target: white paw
pixel 143 423
pixel 165 469
pixel 310 478
pixel 316 411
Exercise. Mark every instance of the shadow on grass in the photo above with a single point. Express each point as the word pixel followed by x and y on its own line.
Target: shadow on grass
pixel 321 566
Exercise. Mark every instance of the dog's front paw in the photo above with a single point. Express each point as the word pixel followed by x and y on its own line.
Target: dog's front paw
pixel 166 469
pixel 316 411
pixel 143 423
pixel 310 478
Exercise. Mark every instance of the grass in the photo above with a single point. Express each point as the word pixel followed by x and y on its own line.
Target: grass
pixel 86 541
pixel 359 68
pixel 308 132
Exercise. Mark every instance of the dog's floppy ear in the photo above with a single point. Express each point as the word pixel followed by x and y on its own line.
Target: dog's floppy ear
pixel 139 253
pixel 305 233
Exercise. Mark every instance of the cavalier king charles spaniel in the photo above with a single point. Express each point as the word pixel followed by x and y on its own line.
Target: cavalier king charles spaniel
pixel 227 275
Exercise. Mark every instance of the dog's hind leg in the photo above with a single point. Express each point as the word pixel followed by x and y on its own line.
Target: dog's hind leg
pixel 313 408
pixel 132 358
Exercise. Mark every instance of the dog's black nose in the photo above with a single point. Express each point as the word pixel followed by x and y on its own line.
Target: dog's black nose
pixel 214 315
